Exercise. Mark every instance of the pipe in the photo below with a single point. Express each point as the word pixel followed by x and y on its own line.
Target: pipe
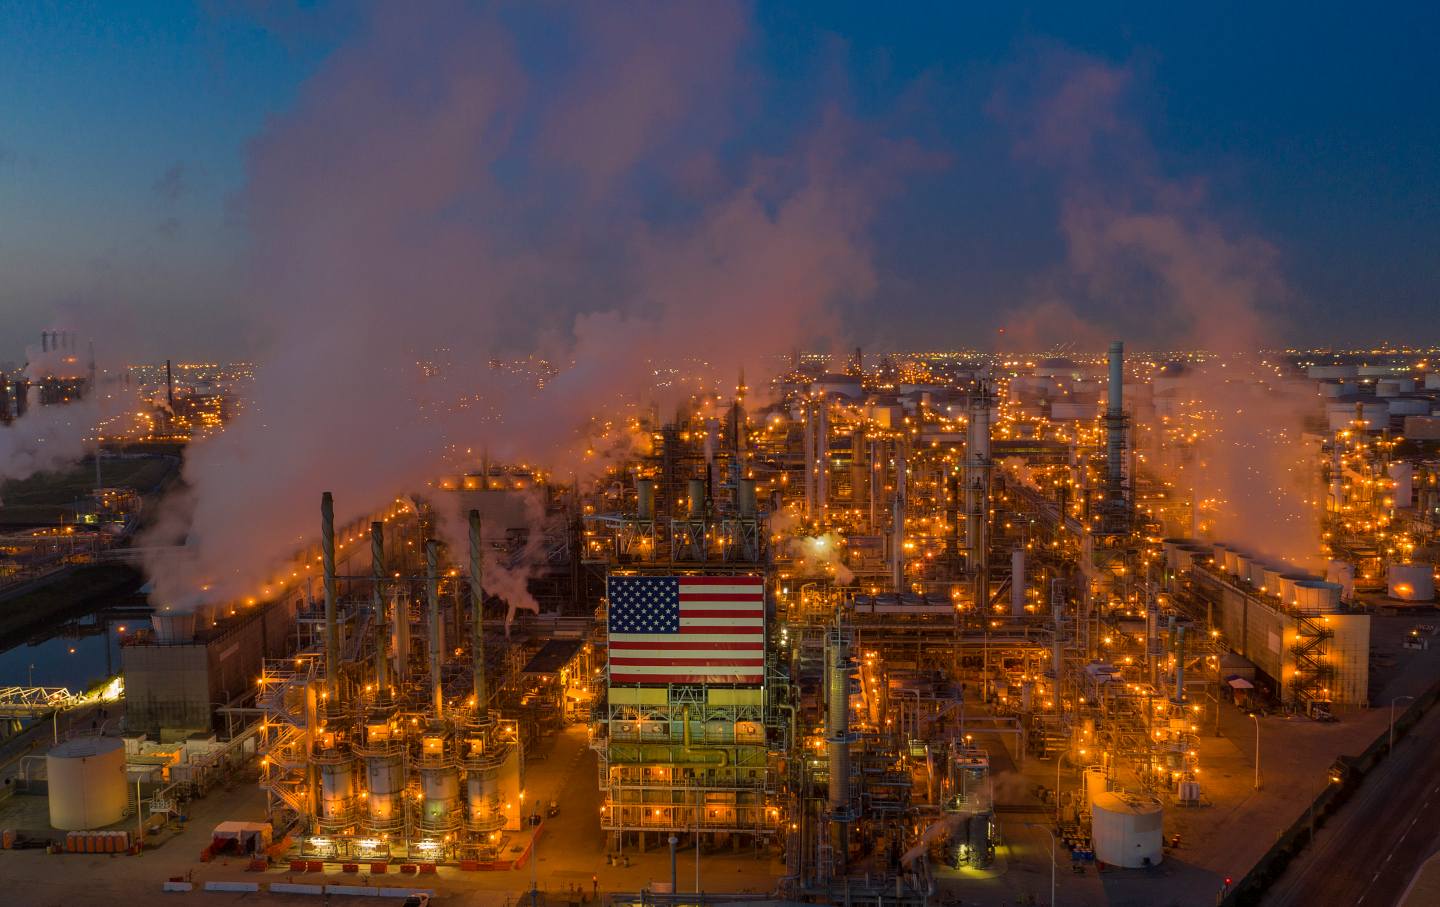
pixel 332 626
pixel 1017 581
pixel 432 599
pixel 477 626
pixel 724 759
pixel 377 602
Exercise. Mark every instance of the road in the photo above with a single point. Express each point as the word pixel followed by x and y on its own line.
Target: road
pixel 1367 852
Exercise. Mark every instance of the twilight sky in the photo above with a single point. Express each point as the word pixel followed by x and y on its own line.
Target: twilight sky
pixel 1076 159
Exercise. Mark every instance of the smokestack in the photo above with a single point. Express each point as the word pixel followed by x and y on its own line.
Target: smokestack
pixel 377 601
pixel 809 460
pixel 897 525
pixel 1115 425
pixel 169 387
pixel 1017 581
pixel 822 457
pixel 432 601
pixel 477 600
pixel 977 493
pixel 332 626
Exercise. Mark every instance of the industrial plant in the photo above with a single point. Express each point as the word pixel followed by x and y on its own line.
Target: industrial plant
pixel 862 640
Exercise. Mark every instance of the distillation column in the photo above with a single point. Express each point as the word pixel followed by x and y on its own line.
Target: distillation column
pixel 332 626
pixel 377 602
pixel 977 494
pixel 838 742
pixel 432 601
pixel 1115 430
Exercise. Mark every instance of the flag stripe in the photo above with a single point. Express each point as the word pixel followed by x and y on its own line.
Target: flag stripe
pixel 687 629
pixel 686 645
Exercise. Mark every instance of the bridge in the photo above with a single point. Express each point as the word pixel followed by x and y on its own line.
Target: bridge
pixel 37 702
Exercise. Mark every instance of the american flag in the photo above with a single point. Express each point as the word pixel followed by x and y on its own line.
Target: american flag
pixel 687 629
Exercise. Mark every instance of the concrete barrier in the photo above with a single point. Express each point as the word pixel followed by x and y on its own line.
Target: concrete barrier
pixel 402 892
pixel 365 891
pixel 295 888
pixel 232 886
pixel 178 886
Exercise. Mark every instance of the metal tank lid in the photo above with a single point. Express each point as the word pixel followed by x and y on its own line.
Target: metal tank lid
pixel 86 746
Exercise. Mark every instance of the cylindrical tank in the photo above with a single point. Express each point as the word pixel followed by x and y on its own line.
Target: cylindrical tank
pixel 1287 586
pixel 1273 572
pixel 1257 573
pixel 440 797
pixel 87 783
pixel 1095 784
pixel 1127 830
pixel 337 790
pixel 1411 582
pixel 385 776
pixel 645 499
pixel 1343 573
pixel 482 798
pixel 697 499
pixel 1317 596
pixel 745 497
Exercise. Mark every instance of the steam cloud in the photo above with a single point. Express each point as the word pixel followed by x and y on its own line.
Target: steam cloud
pixel 1147 258
pixel 443 195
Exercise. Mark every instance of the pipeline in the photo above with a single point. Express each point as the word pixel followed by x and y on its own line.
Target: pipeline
pixel 698 750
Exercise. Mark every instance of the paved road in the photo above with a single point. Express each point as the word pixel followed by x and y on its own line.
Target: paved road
pixel 1367 853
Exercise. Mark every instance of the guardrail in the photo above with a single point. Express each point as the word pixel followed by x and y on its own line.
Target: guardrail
pixel 1352 771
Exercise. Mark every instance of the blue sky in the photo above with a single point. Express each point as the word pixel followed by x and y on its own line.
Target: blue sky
pixel 125 128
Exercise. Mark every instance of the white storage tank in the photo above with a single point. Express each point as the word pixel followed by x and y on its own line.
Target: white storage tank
pixel 1317 596
pixel 1257 573
pixel 1411 582
pixel 1273 573
pixel 1126 830
pixel 87 783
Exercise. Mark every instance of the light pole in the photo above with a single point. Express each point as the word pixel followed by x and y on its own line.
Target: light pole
pixel 1392 718
pixel 1052 858
pixel 1256 718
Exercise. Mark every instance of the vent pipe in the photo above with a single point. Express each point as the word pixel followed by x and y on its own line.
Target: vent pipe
pixel 477 601
pixel 432 601
pixel 332 626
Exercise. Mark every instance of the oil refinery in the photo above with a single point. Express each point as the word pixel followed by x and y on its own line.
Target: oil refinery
pixel 861 641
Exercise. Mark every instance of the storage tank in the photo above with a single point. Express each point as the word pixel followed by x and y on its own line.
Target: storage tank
pixel 1095 784
pixel 1257 573
pixel 1287 585
pixel 337 791
pixel 1317 596
pixel 1127 830
pixel 1273 573
pixel 87 783
pixel 385 807
pixel 440 798
pixel 1411 582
